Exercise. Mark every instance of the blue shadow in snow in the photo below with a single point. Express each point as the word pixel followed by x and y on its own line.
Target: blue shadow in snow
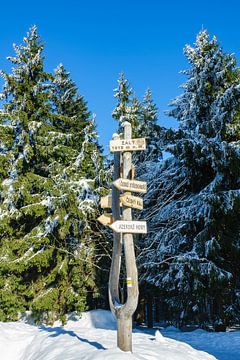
pixel 56 331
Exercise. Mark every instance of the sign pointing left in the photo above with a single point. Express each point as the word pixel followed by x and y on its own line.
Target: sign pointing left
pixel 105 219
pixel 129 227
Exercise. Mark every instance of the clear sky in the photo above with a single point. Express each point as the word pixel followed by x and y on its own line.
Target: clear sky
pixel 96 40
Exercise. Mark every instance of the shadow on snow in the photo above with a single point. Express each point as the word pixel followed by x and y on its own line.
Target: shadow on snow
pixel 56 331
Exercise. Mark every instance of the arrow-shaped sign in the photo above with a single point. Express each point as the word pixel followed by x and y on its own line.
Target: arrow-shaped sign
pixel 105 219
pixel 132 201
pixel 131 185
pixel 135 227
pixel 128 145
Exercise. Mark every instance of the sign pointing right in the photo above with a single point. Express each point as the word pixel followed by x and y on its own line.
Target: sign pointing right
pixel 132 201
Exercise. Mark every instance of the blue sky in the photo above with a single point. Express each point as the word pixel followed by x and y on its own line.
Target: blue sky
pixel 96 40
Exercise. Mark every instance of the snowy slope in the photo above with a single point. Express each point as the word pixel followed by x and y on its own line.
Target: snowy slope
pixel 92 337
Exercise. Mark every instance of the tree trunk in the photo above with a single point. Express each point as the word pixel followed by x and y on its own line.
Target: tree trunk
pixel 149 312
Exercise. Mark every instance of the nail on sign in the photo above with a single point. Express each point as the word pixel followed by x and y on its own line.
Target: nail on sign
pixel 135 227
pixel 128 145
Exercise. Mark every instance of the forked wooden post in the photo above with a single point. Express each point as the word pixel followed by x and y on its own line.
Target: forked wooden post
pixel 123 227
pixel 123 312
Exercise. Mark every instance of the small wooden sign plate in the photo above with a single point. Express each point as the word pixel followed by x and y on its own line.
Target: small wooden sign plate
pixel 132 201
pixel 128 145
pixel 105 219
pixel 106 202
pixel 131 185
pixel 129 227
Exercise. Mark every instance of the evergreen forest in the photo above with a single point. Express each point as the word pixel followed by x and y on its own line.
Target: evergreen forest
pixel 55 256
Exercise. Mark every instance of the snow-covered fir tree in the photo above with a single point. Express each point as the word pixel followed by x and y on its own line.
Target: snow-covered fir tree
pixel 193 246
pixel 49 189
pixel 123 94
pixel 148 128
pixel 128 106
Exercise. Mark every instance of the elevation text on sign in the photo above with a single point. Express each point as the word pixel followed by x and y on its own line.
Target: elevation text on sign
pixel 128 145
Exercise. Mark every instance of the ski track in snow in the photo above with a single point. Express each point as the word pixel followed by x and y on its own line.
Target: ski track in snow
pixel 93 337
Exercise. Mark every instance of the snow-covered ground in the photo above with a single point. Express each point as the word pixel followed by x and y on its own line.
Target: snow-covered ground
pixel 93 337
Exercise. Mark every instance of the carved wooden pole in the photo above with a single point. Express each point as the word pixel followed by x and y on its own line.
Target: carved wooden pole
pixel 124 314
pixel 124 227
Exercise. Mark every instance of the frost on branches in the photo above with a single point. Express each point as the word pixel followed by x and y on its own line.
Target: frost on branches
pixel 51 174
pixel 193 247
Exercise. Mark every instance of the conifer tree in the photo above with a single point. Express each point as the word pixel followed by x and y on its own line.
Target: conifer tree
pixel 128 106
pixel 123 95
pixel 194 256
pixel 48 197
pixel 149 129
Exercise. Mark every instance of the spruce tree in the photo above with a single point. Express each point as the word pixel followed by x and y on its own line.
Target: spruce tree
pixel 128 106
pixel 194 248
pixel 148 128
pixel 123 95
pixel 48 193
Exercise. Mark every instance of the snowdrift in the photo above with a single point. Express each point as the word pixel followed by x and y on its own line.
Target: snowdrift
pixel 89 337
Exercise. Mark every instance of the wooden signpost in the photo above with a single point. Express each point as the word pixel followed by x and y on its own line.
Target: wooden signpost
pixel 123 229
pixel 132 201
pixel 106 202
pixel 134 227
pixel 125 199
pixel 127 145
pixel 131 185
pixel 105 219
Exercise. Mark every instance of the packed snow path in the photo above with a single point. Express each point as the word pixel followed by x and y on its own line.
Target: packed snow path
pixel 93 337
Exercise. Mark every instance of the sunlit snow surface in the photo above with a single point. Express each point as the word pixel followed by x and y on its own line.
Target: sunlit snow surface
pixel 94 337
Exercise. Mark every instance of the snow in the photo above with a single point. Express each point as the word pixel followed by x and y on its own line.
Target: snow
pixel 92 336
pixel 224 346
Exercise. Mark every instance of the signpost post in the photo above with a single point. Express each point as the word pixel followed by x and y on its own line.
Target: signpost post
pixel 123 229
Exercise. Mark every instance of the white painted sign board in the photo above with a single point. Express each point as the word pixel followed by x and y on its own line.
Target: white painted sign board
pixel 128 145
pixel 135 227
pixel 131 185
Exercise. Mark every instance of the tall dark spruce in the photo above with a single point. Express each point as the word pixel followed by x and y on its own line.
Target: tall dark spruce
pixel 193 246
pixel 50 180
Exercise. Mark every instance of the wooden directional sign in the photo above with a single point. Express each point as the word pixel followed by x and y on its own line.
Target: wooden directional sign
pixel 132 201
pixel 135 227
pixel 131 185
pixel 105 219
pixel 128 145
pixel 106 202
